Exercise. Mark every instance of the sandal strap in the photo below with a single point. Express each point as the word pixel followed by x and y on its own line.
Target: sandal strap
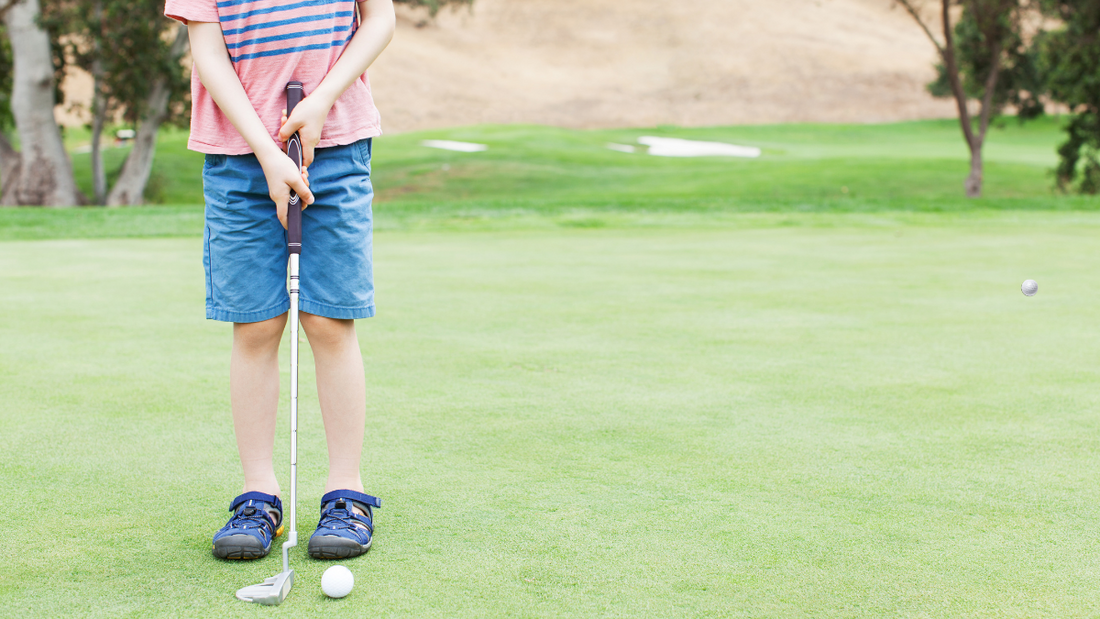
pixel 256 513
pixel 270 499
pixel 345 519
pixel 257 520
pixel 356 497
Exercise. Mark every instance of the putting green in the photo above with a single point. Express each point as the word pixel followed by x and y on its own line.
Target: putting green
pixel 778 416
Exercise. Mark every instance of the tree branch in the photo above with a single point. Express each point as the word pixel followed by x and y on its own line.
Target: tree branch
pixel 953 78
pixel 990 88
pixel 908 6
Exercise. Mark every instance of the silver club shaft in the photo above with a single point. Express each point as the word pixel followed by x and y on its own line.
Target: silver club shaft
pixel 292 536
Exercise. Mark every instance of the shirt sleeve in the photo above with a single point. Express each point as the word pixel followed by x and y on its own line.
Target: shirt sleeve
pixel 192 10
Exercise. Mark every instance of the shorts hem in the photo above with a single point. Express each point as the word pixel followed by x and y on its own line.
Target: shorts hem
pixel 224 315
pixel 334 311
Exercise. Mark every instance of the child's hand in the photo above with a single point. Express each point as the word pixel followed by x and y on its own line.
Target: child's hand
pixel 282 176
pixel 308 118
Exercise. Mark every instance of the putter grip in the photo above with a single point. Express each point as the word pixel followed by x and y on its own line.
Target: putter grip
pixel 294 151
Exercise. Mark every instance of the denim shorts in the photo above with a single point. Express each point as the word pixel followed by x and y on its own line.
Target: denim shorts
pixel 245 252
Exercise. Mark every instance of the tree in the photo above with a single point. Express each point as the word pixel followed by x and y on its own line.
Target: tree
pixel 163 101
pixel 1071 59
pixel 40 173
pixel 133 55
pixel 982 57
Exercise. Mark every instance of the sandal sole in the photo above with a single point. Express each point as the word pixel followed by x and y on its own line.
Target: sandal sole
pixel 332 547
pixel 236 548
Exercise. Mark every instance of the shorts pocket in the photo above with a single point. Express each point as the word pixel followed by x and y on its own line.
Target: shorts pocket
pixel 363 150
pixel 213 161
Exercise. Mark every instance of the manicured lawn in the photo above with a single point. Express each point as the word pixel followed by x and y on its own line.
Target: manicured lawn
pixel 541 176
pixel 599 383
pixel 775 416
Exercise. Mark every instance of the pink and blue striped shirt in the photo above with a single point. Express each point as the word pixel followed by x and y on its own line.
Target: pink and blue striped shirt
pixel 270 43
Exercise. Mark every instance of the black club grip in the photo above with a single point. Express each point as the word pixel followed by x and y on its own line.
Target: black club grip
pixel 294 150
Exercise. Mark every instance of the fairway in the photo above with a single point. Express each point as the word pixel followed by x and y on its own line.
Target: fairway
pixel 771 415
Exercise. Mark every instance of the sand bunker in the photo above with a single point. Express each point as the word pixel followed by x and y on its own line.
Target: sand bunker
pixel 462 147
pixel 675 147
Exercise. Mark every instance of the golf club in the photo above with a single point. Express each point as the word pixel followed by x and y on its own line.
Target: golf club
pixel 275 589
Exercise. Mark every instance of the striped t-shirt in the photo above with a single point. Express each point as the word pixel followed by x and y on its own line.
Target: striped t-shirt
pixel 272 42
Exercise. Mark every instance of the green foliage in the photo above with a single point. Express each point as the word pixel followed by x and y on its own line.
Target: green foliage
pixel 1071 59
pixel 433 6
pixel 1078 155
pixel 128 38
pixel 987 29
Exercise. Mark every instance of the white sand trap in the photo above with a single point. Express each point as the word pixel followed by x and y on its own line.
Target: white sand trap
pixel 622 148
pixel 462 147
pixel 675 147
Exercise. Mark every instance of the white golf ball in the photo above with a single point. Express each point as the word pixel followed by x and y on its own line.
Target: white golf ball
pixel 1029 288
pixel 337 581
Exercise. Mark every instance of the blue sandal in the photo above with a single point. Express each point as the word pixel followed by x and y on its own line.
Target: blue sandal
pixel 257 519
pixel 343 532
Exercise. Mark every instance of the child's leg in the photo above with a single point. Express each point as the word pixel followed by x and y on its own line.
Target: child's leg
pixel 254 395
pixel 341 389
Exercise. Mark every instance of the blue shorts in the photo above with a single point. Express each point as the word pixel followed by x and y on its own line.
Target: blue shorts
pixel 245 245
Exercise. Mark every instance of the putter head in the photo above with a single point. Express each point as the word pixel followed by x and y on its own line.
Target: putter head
pixel 271 591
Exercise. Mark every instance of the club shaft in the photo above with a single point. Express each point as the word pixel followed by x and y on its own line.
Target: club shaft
pixel 292 538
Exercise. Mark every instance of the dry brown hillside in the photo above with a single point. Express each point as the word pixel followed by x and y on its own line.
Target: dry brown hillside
pixel 600 63
pixel 609 63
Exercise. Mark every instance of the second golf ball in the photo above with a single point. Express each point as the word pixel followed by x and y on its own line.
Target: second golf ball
pixel 1029 288
pixel 337 581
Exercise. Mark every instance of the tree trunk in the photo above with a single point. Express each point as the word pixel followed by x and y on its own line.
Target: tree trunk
pixel 973 184
pixel 11 165
pixel 44 174
pixel 974 180
pixel 974 141
pixel 977 142
pixel 99 117
pixel 130 186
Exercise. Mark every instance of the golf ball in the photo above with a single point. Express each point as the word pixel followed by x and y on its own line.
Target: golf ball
pixel 337 581
pixel 1029 288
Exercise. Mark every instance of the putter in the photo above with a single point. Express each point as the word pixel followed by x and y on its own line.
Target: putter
pixel 275 589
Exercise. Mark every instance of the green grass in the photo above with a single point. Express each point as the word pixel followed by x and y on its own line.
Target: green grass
pixel 850 416
pixel 807 167
pixel 600 384
pixel 544 176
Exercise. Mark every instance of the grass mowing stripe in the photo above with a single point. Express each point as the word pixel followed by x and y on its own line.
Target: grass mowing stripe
pixel 544 177
pixel 529 164
pixel 858 417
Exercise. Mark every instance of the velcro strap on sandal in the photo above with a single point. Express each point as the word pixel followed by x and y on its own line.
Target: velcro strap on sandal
pixel 353 496
pixel 344 518
pixel 270 499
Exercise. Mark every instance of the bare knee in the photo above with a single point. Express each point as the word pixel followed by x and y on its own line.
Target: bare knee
pixel 327 332
pixel 259 337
